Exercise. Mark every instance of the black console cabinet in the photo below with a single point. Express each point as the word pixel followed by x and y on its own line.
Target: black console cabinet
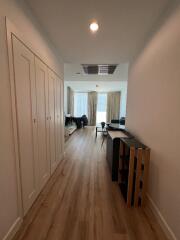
pixel 112 155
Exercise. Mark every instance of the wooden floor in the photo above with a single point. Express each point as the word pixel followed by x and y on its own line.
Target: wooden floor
pixel 81 203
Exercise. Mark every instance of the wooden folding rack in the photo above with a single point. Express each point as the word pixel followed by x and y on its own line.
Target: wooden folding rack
pixel 133 171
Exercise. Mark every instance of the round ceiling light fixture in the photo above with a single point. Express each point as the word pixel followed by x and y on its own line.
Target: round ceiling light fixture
pixel 94 27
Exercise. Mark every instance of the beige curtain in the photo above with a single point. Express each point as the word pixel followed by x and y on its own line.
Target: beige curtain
pixel 70 101
pixel 92 108
pixel 113 105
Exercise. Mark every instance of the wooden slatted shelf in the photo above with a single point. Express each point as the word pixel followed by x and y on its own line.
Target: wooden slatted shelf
pixel 133 171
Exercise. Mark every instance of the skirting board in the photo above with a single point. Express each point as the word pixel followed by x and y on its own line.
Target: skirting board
pixel 13 229
pixel 160 219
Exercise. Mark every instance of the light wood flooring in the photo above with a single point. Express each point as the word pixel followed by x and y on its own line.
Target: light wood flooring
pixel 81 203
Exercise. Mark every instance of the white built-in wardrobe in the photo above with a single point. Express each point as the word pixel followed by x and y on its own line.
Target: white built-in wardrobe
pixel 38 120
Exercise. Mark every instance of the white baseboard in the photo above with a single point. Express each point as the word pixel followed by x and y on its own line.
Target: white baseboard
pixel 160 219
pixel 13 229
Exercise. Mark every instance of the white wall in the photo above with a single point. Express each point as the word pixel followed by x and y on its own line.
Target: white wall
pixel 17 12
pixel 153 115
pixel 103 86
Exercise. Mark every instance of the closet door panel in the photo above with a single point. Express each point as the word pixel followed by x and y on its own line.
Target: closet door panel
pixel 24 72
pixel 52 139
pixel 62 115
pixel 43 158
pixel 58 120
pixel 48 122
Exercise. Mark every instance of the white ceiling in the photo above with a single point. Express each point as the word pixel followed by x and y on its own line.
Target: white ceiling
pixel 124 26
pixel 71 70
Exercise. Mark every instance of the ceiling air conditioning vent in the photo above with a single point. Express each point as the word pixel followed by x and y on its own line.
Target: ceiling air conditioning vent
pixel 100 69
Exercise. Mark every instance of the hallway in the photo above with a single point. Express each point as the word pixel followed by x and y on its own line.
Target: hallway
pixel 81 203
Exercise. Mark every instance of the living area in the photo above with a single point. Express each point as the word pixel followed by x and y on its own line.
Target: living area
pixel 92 97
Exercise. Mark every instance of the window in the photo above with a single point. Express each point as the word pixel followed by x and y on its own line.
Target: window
pixel 80 104
pixel 101 107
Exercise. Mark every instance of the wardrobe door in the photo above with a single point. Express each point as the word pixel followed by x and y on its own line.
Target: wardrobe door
pixel 24 72
pixel 58 120
pixel 62 115
pixel 52 140
pixel 42 121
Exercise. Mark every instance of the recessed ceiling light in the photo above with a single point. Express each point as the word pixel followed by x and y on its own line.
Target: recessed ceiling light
pixel 94 27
